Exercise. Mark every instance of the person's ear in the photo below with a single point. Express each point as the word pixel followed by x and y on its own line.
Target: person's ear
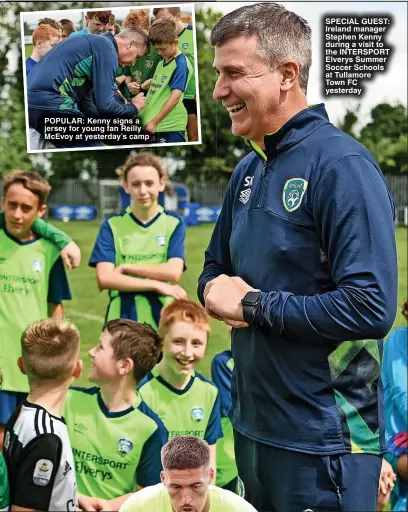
pixel 79 365
pixel 41 211
pixel 126 366
pixel 20 364
pixel 162 184
pixel 211 474
pixel 289 75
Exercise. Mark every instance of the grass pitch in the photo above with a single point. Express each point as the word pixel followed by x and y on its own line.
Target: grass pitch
pixel 87 308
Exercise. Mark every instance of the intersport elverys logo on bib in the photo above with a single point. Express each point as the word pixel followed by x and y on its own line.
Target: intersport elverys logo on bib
pixel 293 193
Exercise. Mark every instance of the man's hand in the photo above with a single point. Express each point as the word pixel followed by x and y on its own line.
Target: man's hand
pixel 146 85
pixel 71 255
pixel 223 297
pixel 139 101
pixel 134 87
pixel 92 504
pixel 387 478
pixel 150 127
pixel 172 290
pixel 120 79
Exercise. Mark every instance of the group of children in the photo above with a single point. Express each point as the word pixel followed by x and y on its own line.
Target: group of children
pixel 117 428
pixel 165 74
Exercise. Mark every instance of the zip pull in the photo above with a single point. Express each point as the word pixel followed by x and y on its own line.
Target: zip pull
pixel 265 165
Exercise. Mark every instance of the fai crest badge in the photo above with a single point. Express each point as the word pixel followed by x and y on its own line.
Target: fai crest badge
pixel 184 46
pixel 293 193
pixel 197 413
pixel 124 446
pixel 149 64
pixel 37 265
pixel 161 240
pixel 164 78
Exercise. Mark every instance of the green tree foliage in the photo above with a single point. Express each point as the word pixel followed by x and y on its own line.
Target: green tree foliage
pixel 386 136
pixel 212 161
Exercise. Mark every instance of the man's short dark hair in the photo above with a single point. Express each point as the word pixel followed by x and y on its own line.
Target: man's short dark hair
pixel 185 452
pixel 282 35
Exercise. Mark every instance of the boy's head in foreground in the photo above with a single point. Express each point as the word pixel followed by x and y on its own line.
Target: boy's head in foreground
pixel 45 38
pixel 50 353
pixel 24 196
pixel 126 349
pixel 163 35
pixel 185 329
pixel 187 473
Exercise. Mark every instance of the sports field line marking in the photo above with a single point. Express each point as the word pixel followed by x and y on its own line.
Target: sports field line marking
pixel 86 316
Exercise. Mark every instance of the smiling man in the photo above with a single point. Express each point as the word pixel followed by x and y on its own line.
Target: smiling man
pixel 32 276
pixel 77 79
pixel 302 262
pixel 185 486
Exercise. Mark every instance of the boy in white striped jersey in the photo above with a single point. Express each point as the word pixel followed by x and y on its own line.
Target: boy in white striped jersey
pixel 37 449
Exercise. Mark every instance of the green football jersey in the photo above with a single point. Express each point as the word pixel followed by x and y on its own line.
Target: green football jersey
pixel 122 87
pixel 144 67
pixel 25 269
pixel 168 76
pixel 156 499
pixel 46 230
pixel 124 239
pixel 222 367
pixel 186 45
pixel 193 411
pixel 114 452
pixel 4 486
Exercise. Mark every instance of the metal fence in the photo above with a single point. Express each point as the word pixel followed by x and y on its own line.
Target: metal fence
pixel 77 192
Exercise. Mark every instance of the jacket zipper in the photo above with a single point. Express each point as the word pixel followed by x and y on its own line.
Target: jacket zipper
pixel 264 172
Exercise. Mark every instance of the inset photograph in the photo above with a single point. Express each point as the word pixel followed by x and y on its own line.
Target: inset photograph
pixel 120 77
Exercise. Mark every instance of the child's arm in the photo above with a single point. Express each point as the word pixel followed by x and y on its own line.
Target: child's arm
pixel 170 271
pixel 109 278
pixel 88 503
pixel 175 95
pixel 145 86
pixel 116 503
pixel 70 252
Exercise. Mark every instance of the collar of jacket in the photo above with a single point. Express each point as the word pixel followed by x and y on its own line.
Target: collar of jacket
pixel 293 131
pixel 112 39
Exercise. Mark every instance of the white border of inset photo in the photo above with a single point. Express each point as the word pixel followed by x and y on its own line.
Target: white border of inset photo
pixel 61 14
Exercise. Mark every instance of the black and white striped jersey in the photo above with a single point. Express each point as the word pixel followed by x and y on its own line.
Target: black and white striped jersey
pixel 39 460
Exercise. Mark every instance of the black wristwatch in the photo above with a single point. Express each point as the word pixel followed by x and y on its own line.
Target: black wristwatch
pixel 249 305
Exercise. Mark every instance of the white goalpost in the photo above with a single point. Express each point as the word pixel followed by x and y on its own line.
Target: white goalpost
pixel 109 198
